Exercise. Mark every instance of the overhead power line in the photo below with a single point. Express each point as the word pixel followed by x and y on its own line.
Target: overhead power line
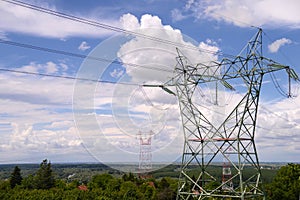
pixel 34 47
pixel 117 29
pixel 109 27
pixel 271 40
pixel 65 77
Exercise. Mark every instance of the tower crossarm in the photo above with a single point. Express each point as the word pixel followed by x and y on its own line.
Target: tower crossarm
pixel 248 64
pixel 233 69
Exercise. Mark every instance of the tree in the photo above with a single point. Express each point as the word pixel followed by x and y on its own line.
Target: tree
pixel 15 178
pixel 129 177
pixel 163 184
pixel 286 184
pixel 129 191
pixel 28 182
pixel 100 181
pixel 44 178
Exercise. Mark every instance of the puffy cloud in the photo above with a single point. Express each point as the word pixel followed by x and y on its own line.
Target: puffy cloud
pixel 272 13
pixel 27 144
pixel 278 125
pixel 155 54
pixel 275 46
pixel 154 62
pixel 18 19
pixel 84 46
pixel 150 53
pixel 51 68
pixel 123 110
pixel 36 117
pixel 149 21
pixel 25 137
pixel 48 68
pixel 42 111
pixel 130 22
pixel 209 45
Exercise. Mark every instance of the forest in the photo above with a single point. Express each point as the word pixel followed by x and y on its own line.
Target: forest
pixel 83 181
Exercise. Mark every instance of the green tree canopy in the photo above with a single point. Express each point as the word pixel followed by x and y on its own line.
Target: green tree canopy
pixel 100 181
pixel 44 178
pixel 15 178
pixel 286 184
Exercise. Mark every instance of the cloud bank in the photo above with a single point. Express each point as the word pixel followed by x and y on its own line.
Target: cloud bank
pixel 37 119
pixel 267 13
pixel 17 19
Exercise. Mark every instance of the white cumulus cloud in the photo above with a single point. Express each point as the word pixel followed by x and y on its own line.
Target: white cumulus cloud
pixel 84 46
pixel 130 22
pixel 38 120
pixel 144 109
pixel 275 46
pixel 48 68
pixel 159 54
pixel 143 52
pixel 39 109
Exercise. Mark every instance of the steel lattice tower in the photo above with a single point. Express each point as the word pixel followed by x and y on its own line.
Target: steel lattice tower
pixel 227 184
pixel 145 156
pixel 204 143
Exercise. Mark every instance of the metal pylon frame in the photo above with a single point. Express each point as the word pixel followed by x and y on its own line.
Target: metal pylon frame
pixel 204 143
pixel 145 156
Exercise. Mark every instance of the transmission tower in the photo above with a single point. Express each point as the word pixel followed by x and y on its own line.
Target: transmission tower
pixel 227 184
pixel 205 143
pixel 145 156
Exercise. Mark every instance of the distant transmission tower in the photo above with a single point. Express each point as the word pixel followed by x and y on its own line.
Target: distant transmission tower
pixel 145 156
pixel 227 184
pixel 204 143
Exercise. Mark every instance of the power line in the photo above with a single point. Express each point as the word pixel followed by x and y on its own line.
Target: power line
pixel 279 50
pixel 34 47
pixel 29 46
pixel 100 25
pixel 261 106
pixel 279 116
pixel 56 51
pixel 65 77
pixel 92 23
pixel 123 83
pixel 23 45
pixel 109 27
pixel 117 29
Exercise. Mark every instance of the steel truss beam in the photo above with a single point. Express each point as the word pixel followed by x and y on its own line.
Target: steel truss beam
pixel 204 143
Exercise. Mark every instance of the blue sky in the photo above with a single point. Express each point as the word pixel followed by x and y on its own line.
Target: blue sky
pixel 78 121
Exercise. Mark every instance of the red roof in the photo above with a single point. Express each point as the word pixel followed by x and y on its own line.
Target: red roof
pixel 82 187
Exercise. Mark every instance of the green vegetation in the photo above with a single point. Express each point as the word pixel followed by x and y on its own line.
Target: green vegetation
pixel 83 181
pixel 44 183
pixel 286 184
pixel 44 178
pixel 16 177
